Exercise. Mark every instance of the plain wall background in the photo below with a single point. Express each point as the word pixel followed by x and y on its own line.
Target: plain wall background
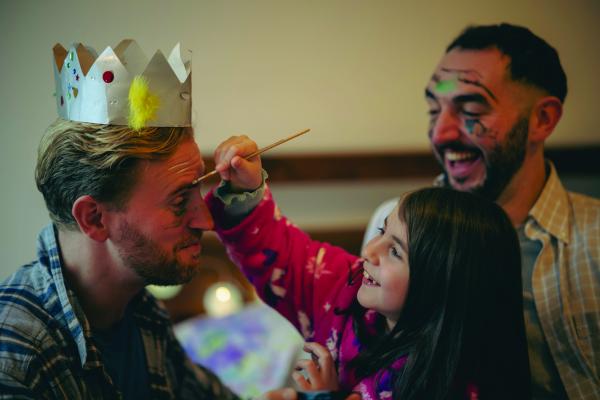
pixel 353 71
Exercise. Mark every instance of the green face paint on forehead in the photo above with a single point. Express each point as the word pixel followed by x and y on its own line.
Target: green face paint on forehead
pixel 446 86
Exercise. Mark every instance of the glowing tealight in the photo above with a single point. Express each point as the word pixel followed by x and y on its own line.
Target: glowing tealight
pixel 223 294
pixel 221 299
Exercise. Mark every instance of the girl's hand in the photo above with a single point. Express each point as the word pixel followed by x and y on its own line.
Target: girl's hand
pixel 320 370
pixel 243 175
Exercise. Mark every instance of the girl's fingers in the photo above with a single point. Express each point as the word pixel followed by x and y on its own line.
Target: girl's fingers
pixel 301 381
pixel 231 153
pixel 320 355
pixel 313 371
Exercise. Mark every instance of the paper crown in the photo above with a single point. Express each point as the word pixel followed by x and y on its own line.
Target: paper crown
pixel 120 86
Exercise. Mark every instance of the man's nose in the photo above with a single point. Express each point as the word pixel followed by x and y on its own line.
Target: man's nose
pixel 446 128
pixel 200 217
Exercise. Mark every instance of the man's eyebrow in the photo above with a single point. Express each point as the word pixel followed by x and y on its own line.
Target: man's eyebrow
pixel 481 85
pixel 183 188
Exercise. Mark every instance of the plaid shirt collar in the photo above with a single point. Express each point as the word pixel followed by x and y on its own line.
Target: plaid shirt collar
pixel 551 210
pixel 72 317
pixel 49 256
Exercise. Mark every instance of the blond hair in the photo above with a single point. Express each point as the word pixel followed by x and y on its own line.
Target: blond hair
pixel 77 158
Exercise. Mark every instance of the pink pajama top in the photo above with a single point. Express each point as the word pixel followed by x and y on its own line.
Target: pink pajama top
pixel 305 281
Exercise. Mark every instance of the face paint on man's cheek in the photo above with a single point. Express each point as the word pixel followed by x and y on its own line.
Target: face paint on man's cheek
pixel 475 127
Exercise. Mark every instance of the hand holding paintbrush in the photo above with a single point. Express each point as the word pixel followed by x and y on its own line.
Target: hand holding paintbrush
pixel 236 161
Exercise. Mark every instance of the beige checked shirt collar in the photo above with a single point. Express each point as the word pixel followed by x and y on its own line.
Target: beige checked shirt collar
pixel 551 210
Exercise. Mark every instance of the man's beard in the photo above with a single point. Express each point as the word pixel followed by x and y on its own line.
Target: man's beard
pixel 503 161
pixel 150 262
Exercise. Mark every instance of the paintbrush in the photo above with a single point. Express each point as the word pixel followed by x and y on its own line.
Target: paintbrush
pixel 257 152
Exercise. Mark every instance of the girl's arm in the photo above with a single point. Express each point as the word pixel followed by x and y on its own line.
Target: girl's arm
pixel 302 279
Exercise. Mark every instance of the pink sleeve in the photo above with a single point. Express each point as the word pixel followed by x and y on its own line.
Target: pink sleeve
pixel 302 279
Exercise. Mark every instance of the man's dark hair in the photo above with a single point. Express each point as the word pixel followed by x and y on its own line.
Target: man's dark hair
pixel 532 60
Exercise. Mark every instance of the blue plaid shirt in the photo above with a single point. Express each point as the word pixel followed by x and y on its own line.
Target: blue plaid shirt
pixel 47 349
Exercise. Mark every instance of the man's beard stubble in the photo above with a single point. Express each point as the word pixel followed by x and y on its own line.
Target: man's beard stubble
pixel 150 262
pixel 503 162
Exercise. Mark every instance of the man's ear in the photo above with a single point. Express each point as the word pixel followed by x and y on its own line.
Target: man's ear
pixel 544 116
pixel 90 217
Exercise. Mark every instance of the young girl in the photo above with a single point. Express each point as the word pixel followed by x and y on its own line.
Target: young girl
pixel 432 310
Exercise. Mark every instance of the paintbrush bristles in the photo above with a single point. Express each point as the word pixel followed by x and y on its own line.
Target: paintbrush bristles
pixel 257 152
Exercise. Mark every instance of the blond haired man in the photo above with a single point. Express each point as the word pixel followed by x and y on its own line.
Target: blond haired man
pixel 77 322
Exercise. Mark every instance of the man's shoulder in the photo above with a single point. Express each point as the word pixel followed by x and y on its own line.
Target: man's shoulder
pixel 584 201
pixel 35 350
pixel 28 334
pixel 27 290
pixel 585 224
pixel 586 209
pixel 22 315
pixel 26 320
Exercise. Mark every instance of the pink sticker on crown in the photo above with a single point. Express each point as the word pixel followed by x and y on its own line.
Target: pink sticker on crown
pixel 108 76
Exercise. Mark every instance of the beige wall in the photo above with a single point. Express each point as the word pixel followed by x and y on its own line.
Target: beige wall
pixel 353 71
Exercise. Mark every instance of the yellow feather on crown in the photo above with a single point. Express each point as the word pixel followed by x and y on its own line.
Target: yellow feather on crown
pixel 142 103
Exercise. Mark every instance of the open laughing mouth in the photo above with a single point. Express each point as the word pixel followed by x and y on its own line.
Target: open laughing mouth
pixel 461 164
pixel 368 279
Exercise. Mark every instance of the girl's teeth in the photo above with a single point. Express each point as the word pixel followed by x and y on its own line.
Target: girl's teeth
pixel 368 277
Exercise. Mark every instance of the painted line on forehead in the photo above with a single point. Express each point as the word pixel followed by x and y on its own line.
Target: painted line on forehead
pixel 461 72
pixel 470 77
pixel 182 167
pixel 179 165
